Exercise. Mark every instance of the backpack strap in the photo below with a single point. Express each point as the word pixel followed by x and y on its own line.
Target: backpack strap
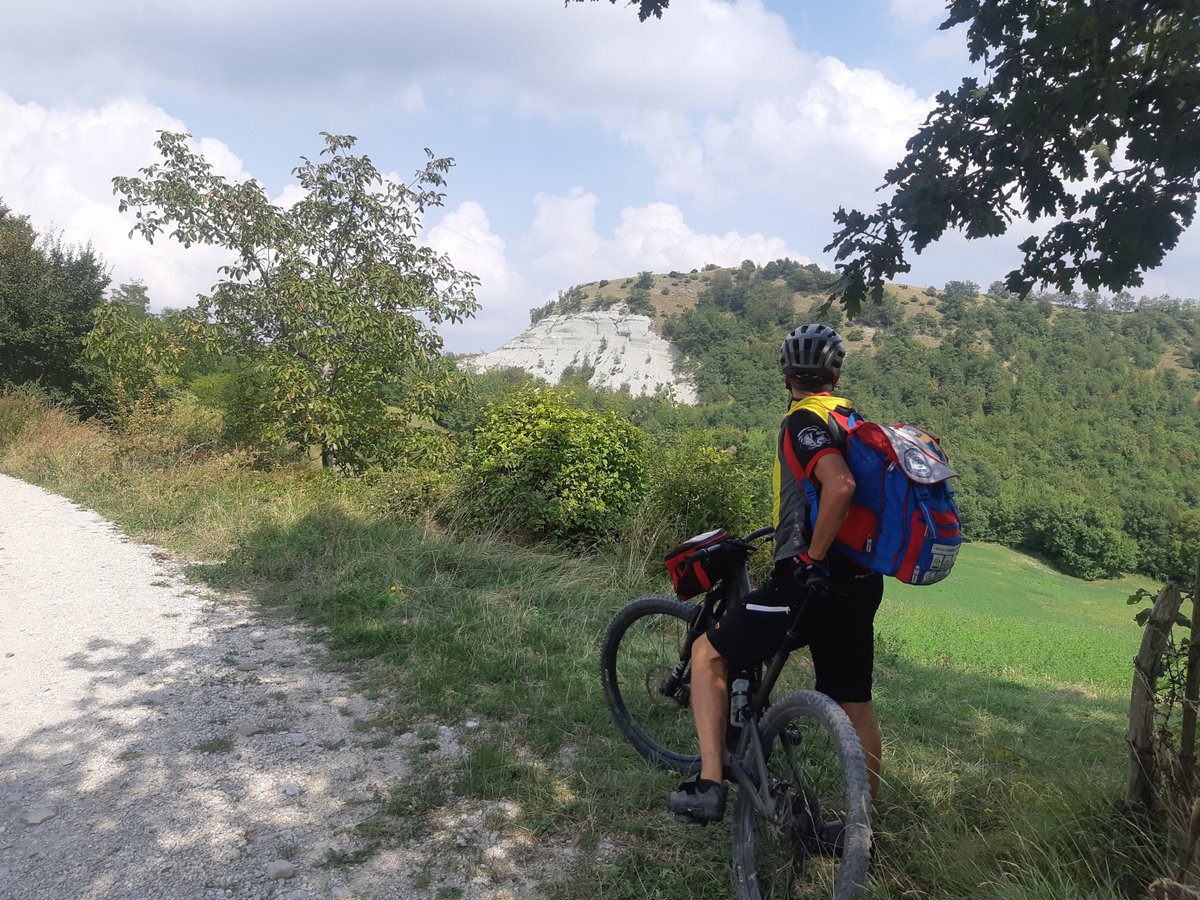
pixel 842 420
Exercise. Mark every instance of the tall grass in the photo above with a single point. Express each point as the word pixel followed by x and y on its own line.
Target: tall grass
pixel 1004 751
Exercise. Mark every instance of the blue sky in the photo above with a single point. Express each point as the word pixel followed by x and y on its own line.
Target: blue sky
pixel 587 145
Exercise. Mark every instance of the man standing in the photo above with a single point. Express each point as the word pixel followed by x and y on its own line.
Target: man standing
pixel 837 600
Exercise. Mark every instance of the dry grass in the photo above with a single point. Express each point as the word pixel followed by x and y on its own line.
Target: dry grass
pixel 47 443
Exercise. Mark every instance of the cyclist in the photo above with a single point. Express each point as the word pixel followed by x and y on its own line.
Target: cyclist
pixel 835 599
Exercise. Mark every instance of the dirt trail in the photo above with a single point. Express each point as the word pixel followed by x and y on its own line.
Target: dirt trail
pixel 157 741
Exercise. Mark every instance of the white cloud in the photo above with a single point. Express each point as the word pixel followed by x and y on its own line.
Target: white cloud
pixel 564 234
pixel 918 13
pixel 290 196
pixel 56 166
pixel 717 96
pixel 563 247
pixel 386 53
pixel 564 241
pixel 465 235
pixel 655 237
pixel 827 141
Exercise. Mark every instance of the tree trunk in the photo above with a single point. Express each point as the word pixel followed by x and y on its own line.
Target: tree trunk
pixel 1191 694
pixel 1146 669
pixel 326 457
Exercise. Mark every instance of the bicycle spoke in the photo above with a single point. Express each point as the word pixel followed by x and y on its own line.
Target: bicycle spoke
pixel 651 700
pixel 779 859
pixel 793 847
pixel 647 657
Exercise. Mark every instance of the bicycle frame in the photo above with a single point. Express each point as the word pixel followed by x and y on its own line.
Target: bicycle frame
pixel 752 777
pixel 781 819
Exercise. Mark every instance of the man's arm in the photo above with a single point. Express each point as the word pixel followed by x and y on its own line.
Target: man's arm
pixel 837 490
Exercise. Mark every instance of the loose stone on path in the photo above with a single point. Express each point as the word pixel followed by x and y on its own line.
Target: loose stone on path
pixel 38 815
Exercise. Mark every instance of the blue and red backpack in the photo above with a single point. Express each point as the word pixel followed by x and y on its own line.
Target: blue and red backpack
pixel 903 520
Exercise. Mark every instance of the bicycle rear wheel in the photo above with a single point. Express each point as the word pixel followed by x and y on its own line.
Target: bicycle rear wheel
pixel 817 777
pixel 638 656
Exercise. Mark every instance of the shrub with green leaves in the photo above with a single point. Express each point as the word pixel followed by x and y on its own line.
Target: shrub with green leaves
pixel 694 489
pixel 551 469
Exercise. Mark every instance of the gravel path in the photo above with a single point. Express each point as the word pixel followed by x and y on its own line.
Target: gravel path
pixel 159 742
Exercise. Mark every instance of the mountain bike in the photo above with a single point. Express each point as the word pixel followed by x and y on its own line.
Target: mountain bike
pixel 798 767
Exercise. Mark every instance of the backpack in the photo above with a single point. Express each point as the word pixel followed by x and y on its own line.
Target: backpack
pixel 903 520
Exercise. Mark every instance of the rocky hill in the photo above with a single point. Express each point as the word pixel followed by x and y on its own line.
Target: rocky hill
pixel 621 350
pixel 612 329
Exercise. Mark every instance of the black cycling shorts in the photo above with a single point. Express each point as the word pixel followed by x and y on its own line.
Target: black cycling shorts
pixel 839 631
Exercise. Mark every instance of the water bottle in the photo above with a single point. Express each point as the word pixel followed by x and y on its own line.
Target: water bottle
pixel 739 699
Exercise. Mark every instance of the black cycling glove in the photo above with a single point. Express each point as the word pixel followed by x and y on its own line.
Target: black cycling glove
pixel 812 575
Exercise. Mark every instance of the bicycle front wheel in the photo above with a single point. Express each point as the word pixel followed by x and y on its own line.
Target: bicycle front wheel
pixel 649 697
pixel 810 835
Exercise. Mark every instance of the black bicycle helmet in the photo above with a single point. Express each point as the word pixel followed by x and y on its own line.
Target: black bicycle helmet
pixel 812 350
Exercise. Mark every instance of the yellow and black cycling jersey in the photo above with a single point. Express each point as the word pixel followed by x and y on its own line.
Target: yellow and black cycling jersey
pixel 806 434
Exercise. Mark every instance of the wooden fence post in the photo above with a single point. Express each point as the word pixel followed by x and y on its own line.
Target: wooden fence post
pixel 1146 669
pixel 1191 695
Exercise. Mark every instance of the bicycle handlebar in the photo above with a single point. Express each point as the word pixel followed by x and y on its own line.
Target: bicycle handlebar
pixel 761 533
pixel 744 543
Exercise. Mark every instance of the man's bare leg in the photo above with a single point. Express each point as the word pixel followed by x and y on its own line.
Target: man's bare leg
pixel 710 706
pixel 862 717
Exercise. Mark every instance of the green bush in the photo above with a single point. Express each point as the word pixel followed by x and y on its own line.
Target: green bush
pixel 639 302
pixel 550 469
pixel 694 489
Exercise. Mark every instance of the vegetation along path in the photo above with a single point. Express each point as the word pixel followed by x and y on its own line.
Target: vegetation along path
pixel 160 741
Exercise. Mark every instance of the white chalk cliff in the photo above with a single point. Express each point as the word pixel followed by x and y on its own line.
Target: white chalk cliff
pixel 624 350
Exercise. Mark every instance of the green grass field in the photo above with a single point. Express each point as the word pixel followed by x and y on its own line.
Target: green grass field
pixel 1008 615
pixel 1002 692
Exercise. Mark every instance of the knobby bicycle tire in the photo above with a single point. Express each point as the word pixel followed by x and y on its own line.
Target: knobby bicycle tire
pixel 781 729
pixel 639 649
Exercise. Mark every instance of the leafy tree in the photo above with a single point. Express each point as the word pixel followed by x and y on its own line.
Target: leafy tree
pixel 1089 117
pixel 639 302
pixel 1075 92
pixel 724 292
pixel 646 8
pixel 768 308
pixel 132 294
pixel 1086 540
pixel 136 352
pixel 463 411
pixel 47 293
pixel 333 298
pixel 956 297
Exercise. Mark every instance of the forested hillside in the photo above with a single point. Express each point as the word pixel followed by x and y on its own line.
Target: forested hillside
pixel 1074 422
